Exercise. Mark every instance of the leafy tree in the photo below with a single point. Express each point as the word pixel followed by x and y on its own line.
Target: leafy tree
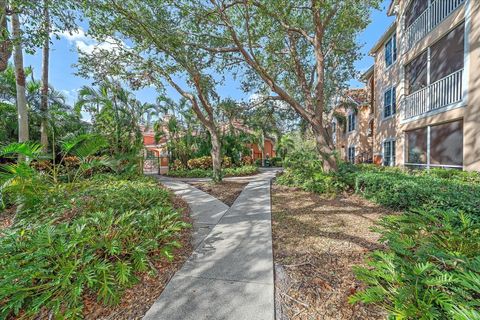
pixel 56 17
pixel 300 51
pixel 159 52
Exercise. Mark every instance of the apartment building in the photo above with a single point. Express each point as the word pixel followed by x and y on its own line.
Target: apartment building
pixel 352 124
pixel 426 104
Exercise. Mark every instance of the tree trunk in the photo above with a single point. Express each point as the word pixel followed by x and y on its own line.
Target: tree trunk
pixel 216 156
pixel 20 80
pixel 324 149
pixel 45 65
pixel 5 43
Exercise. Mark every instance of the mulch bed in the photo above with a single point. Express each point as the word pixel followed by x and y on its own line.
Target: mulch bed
pixel 316 242
pixel 138 299
pixel 6 218
pixel 225 191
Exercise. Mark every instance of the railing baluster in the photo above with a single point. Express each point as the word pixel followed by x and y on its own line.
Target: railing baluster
pixel 437 11
pixel 439 94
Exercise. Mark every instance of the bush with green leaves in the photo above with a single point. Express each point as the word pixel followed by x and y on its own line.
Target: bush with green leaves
pixel 240 171
pixel 430 269
pixel 89 237
pixel 304 169
pixel 203 173
pixel 402 191
pixel 93 236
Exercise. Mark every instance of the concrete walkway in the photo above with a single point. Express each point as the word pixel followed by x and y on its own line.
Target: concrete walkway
pixel 230 274
pixel 206 211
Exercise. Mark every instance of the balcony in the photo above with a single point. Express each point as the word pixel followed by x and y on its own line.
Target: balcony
pixel 445 92
pixel 436 12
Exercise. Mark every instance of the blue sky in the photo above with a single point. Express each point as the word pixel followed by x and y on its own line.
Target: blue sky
pixel 64 55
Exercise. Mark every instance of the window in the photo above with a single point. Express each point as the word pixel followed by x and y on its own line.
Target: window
pixel 417 146
pixel 389 153
pixel 352 119
pixel 446 144
pixel 416 73
pixel 436 146
pixel 351 154
pixel 414 10
pixel 447 55
pixel 391 50
pixel 390 103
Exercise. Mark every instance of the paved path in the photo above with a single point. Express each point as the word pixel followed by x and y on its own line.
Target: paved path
pixel 206 211
pixel 230 274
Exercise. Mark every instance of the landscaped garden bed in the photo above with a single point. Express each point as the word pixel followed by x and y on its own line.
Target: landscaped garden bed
pixel 316 242
pixel 427 260
pixel 225 191
pixel 97 248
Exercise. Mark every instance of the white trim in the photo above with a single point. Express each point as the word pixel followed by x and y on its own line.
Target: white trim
pixel 460 104
pixel 433 165
pixel 392 115
pixel 392 150
pixel 466 53
pixel 394 34
pixel 429 145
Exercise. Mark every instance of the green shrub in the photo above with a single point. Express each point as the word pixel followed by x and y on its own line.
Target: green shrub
pixel 194 173
pixel 206 163
pixel 201 173
pixel 240 171
pixel 276 161
pixel 431 269
pixel 200 163
pixel 459 175
pixel 304 169
pixel 89 237
pixel 401 191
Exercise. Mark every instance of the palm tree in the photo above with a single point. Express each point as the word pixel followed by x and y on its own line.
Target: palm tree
pixel 23 134
pixel 45 84
pixel 5 43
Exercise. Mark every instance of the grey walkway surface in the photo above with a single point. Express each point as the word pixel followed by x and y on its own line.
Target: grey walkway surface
pixel 230 274
pixel 206 211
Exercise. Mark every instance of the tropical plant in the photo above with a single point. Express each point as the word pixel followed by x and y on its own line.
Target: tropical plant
pixel 115 114
pixel 430 269
pixel 63 251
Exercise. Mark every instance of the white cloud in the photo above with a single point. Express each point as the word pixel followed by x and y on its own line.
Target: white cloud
pixel 88 45
pixel 78 35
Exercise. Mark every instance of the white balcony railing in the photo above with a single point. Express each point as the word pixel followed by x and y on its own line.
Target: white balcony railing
pixel 438 11
pixel 440 94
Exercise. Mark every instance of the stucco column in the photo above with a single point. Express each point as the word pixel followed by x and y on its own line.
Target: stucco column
pixel 471 137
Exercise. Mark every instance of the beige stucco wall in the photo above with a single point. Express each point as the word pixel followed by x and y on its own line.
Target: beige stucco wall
pixel 385 78
pixel 358 137
pixel 471 121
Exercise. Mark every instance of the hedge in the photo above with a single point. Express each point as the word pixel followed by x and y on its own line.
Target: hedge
pixel 401 191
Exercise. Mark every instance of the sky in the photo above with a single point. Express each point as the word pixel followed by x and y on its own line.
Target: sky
pixel 64 55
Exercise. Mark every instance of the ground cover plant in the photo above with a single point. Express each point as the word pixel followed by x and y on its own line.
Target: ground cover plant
pixel 429 267
pixel 91 236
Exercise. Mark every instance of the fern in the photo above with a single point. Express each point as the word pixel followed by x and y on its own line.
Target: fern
pixel 431 269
